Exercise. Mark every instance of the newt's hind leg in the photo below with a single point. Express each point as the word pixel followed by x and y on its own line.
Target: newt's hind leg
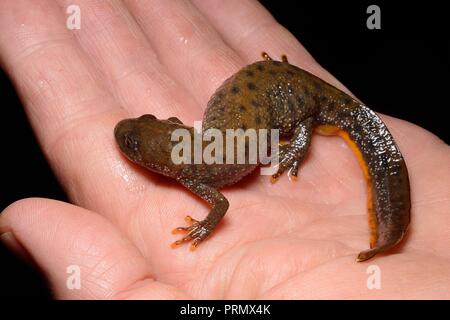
pixel 292 153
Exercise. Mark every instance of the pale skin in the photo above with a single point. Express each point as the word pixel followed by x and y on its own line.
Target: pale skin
pixel 286 240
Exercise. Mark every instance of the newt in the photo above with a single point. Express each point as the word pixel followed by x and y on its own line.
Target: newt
pixel 271 94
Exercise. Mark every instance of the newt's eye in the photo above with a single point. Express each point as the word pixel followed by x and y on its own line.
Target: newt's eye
pixel 147 117
pixel 130 141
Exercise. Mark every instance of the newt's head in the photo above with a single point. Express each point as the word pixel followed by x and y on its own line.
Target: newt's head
pixel 147 141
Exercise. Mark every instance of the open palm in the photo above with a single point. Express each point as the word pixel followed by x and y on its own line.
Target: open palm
pixel 286 240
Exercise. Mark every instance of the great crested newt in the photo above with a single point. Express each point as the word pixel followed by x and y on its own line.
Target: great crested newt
pixel 272 94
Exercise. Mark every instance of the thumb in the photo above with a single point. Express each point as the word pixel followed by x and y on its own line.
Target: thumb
pixel 81 253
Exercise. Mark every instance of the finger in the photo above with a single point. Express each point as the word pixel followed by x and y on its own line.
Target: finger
pixel 185 42
pixel 249 29
pixel 76 239
pixel 56 81
pixel 72 113
pixel 130 67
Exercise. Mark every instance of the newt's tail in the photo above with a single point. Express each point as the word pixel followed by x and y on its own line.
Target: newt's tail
pixel 384 169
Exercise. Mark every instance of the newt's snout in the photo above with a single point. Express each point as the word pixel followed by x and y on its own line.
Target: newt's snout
pixel 128 139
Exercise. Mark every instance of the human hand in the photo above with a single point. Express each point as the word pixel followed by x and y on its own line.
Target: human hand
pixel 287 240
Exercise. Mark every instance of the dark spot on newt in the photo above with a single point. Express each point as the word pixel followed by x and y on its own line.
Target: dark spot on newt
pixel 258 120
pixel 251 86
pixel 260 67
pixel 277 63
pixel 242 108
pixel 300 101
pixel 235 89
pixel 272 72
pixel 342 114
pixel 249 73
pixel 255 103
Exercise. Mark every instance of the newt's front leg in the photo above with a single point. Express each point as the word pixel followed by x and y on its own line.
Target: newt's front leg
pixel 199 230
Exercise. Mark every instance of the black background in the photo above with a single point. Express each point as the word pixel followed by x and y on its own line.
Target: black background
pixel 401 70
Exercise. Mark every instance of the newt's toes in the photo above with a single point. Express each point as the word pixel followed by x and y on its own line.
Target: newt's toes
pixel 188 219
pixel 288 162
pixel 291 166
pixel 181 241
pixel 293 171
pixel 197 232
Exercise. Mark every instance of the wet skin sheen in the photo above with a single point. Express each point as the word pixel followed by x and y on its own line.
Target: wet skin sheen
pixel 277 95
